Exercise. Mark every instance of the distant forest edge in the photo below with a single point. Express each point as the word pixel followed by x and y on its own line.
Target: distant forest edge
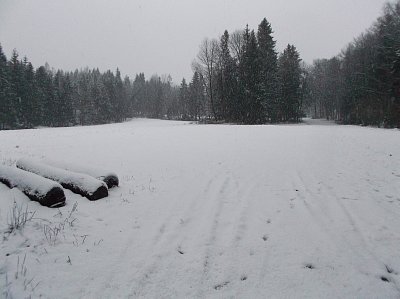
pixel 239 78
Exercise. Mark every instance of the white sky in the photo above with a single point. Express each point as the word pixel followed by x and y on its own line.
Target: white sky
pixel 163 36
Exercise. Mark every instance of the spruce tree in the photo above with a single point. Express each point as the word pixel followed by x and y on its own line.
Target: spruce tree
pixel 268 60
pixel 119 97
pixel 290 89
pixel 183 101
pixel 226 83
pixel 5 90
pixel 253 108
pixel 30 107
pixel 197 98
pixel 17 85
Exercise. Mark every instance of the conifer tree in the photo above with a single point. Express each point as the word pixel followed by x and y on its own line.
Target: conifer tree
pixel 197 99
pixel 30 107
pixel 226 81
pixel 17 85
pixel 183 102
pixel 5 98
pixel 268 60
pixel 290 79
pixel 253 109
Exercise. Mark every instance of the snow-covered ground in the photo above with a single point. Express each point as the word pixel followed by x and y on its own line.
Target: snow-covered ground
pixel 204 211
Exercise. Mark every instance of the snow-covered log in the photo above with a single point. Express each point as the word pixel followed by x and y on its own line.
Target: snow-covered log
pixel 110 178
pixel 47 192
pixel 79 183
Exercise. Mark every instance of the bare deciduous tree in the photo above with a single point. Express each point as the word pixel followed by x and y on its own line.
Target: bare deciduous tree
pixel 205 64
pixel 236 42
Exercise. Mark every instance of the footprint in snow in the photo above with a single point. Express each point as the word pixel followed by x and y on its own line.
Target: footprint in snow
pixel 348 198
pixel 265 238
pixel 309 266
pixel 385 279
pixel 390 270
pixel 221 285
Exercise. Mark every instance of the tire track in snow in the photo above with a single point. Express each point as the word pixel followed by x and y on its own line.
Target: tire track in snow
pixel 353 240
pixel 316 208
pixel 150 256
pixel 359 237
pixel 211 246
pixel 162 268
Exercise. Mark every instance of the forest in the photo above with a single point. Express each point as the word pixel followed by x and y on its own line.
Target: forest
pixel 238 78
pixel 361 85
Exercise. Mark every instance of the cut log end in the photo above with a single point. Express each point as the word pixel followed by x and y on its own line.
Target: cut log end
pixel 55 198
pixel 111 181
pixel 100 193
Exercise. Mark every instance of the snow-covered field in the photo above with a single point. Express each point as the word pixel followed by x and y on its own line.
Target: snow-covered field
pixel 204 211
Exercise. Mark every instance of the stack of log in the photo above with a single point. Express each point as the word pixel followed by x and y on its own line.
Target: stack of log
pixel 44 182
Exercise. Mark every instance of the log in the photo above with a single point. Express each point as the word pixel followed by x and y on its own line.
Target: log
pixel 109 177
pixel 79 183
pixel 47 192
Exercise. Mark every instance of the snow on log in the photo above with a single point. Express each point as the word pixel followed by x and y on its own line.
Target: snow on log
pixel 47 192
pixel 79 183
pixel 108 177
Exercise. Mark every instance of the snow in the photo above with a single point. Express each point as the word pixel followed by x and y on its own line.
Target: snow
pixel 212 211
pixel 77 180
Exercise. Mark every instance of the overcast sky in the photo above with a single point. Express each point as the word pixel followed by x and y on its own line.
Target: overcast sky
pixel 163 36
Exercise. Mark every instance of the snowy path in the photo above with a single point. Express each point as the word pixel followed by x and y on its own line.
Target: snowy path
pixel 216 211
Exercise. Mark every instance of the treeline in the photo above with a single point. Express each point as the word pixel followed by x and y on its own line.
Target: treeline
pixel 244 80
pixel 44 97
pixel 240 78
pixel 362 84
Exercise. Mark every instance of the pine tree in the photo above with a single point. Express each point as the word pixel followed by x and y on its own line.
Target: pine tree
pixel 30 105
pixel 268 61
pixel 253 109
pixel 127 95
pixel 183 102
pixel 5 90
pixel 66 108
pixel 290 79
pixel 119 97
pixel 226 80
pixel 139 94
pixel 17 85
pixel 197 100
